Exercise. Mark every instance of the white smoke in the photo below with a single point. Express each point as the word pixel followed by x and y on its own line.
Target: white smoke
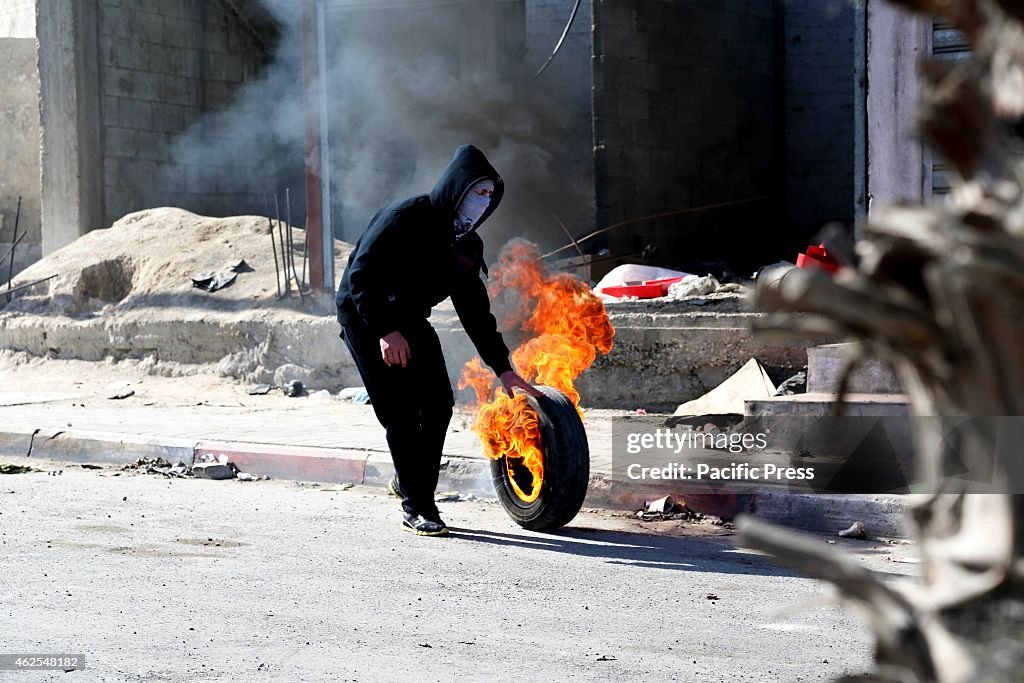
pixel 406 85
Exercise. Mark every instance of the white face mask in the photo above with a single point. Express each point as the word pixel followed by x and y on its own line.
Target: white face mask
pixel 472 208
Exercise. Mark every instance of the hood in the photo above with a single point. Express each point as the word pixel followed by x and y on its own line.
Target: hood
pixel 467 166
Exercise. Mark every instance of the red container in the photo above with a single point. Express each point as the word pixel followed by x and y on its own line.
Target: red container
pixel 649 289
pixel 818 257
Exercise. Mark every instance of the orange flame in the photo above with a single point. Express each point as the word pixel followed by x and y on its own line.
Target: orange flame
pixel 566 326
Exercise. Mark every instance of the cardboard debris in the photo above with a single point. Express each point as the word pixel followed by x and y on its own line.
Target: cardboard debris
pixel 748 383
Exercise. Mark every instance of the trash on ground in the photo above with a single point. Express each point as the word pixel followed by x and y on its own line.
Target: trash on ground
pixel 6 468
pixel 662 505
pixel 344 486
pixel 249 476
pixel 240 266
pixel 453 497
pixel 635 274
pixel 797 384
pixel 692 286
pixel 294 388
pixel 213 281
pixel 668 508
pixel 348 393
pixel 750 382
pixel 817 257
pixel 856 530
pixel 143 463
pixel 711 596
pixel 607 658
pixel 90 466
pixel 357 395
pixel 157 466
pixel 260 390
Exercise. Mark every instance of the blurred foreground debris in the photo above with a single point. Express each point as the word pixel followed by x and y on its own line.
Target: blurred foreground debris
pixel 938 292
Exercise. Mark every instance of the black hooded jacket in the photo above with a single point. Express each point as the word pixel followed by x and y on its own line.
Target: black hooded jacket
pixel 408 261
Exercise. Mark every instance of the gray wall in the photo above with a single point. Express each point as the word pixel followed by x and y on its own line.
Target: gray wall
pixel 685 117
pixel 19 133
pixel 162 66
pixel 819 98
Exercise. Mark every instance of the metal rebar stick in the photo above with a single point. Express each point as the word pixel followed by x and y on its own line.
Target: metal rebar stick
pixel 10 269
pixel 273 245
pixel 291 240
pixel 280 238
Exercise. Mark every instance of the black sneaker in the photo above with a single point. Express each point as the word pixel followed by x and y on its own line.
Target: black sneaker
pixel 423 526
pixel 394 489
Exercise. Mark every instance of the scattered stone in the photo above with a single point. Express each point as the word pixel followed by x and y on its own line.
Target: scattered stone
pixel 122 394
pixel 856 530
pixel 213 470
pixel 607 658
pixel 426 645
pixel 90 466
pixel 322 396
pixel 711 596
pixel 260 390
pixel 249 476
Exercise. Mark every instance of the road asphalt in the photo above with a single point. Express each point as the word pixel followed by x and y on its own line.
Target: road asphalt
pixel 155 579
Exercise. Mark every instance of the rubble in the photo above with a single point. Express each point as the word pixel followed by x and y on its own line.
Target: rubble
pixel 16 469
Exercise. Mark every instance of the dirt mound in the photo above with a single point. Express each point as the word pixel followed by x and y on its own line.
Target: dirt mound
pixel 148 259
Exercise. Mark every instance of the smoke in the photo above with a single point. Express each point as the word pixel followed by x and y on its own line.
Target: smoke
pixel 405 86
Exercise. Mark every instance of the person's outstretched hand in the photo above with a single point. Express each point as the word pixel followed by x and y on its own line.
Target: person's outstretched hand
pixel 394 349
pixel 511 380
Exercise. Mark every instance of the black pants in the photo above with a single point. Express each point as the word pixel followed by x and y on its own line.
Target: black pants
pixel 414 404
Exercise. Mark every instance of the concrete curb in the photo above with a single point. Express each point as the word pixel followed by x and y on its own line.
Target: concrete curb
pixel 882 515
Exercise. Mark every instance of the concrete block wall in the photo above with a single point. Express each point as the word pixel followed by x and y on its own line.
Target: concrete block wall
pixel 684 103
pixel 569 74
pixel 163 65
pixel 819 109
pixel 19 142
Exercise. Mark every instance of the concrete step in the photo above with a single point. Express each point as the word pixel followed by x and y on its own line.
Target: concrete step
pixel 869 448
pixel 822 404
pixel 825 364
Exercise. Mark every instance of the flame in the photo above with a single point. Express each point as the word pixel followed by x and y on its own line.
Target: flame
pixel 566 327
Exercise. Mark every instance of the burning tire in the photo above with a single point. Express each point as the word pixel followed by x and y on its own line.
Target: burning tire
pixel 566 468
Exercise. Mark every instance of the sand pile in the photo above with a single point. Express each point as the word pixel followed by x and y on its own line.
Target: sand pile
pixel 147 260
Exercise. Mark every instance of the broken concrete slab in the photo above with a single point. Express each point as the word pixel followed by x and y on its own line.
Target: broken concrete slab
pixel 212 470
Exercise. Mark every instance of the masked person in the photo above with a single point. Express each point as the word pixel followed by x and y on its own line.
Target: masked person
pixel 414 254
